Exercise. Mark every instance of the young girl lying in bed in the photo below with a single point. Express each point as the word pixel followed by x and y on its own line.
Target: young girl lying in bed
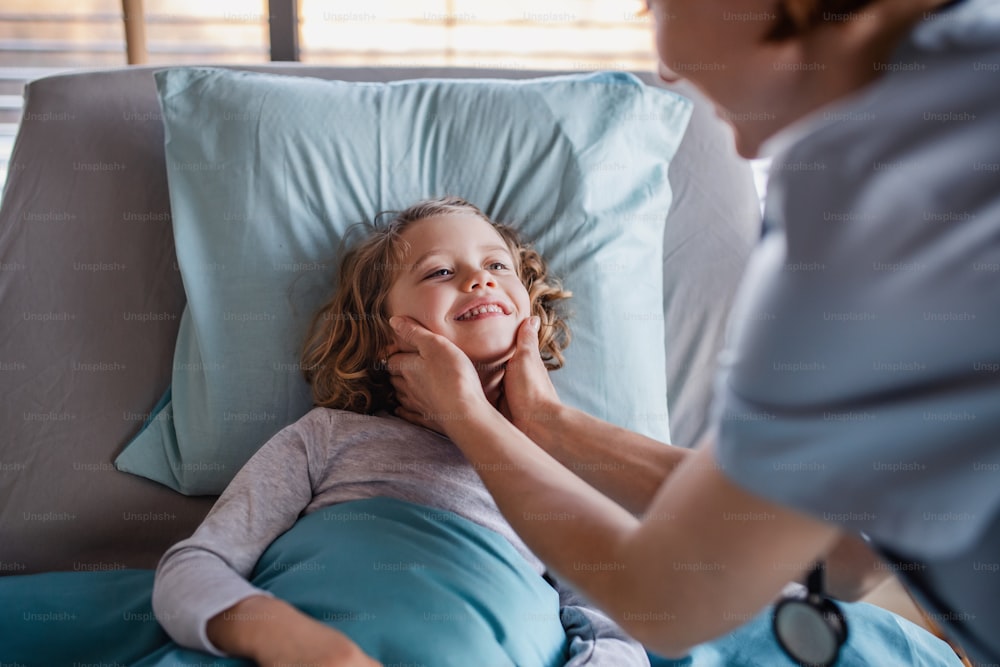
pixel 446 264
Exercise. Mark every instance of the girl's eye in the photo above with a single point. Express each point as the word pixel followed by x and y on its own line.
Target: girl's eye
pixel 439 272
pixel 498 266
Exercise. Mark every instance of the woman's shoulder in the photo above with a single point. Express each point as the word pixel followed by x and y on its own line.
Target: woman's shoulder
pixel 938 86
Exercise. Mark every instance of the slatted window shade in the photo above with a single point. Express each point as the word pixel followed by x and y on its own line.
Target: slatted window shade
pixel 522 34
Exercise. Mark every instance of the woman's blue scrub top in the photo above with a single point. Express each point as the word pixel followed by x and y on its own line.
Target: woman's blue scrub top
pixel 862 380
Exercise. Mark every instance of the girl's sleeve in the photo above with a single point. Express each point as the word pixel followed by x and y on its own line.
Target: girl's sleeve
pixel 207 573
pixel 594 639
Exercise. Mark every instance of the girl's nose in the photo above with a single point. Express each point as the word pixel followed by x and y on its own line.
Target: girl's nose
pixel 479 279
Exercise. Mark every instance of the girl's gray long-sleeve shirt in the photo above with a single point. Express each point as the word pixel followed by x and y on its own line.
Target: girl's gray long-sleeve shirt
pixel 329 457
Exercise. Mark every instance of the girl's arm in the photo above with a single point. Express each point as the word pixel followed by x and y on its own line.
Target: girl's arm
pixel 705 555
pixel 201 595
pixel 273 632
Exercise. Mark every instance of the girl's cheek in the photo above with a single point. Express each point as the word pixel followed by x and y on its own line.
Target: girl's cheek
pixel 392 299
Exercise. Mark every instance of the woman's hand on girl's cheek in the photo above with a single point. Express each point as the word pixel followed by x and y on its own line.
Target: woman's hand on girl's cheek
pixel 528 393
pixel 435 382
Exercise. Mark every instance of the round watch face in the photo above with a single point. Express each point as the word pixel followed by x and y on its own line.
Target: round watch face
pixel 807 633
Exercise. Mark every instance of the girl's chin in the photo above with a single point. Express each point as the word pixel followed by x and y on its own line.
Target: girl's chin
pixel 489 359
pixel 487 349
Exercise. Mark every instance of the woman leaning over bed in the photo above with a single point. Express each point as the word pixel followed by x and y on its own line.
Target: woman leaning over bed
pixel 438 258
pixel 860 392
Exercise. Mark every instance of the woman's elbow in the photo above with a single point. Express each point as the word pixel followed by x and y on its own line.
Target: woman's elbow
pixel 853 570
pixel 659 632
pixel 857 587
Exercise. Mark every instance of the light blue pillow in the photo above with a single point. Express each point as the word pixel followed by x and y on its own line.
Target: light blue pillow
pixel 267 172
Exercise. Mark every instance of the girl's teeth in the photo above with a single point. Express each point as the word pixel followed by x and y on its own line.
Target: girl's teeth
pixel 480 310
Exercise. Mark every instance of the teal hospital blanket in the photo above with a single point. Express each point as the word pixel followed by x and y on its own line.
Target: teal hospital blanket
pixel 410 584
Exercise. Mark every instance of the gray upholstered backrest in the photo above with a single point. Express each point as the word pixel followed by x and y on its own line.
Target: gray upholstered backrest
pixel 91 300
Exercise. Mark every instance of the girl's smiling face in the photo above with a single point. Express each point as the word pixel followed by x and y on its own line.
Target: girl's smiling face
pixel 460 280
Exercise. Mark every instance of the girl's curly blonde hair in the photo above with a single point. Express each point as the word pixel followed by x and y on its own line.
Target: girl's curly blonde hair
pixel 340 356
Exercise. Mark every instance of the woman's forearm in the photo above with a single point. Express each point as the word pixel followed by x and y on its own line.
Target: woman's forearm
pixel 623 465
pixel 558 515
pixel 630 468
pixel 705 555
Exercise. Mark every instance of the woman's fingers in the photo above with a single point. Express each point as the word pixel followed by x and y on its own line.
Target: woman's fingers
pixel 395 362
pixel 435 381
pixel 527 388
pixel 409 333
